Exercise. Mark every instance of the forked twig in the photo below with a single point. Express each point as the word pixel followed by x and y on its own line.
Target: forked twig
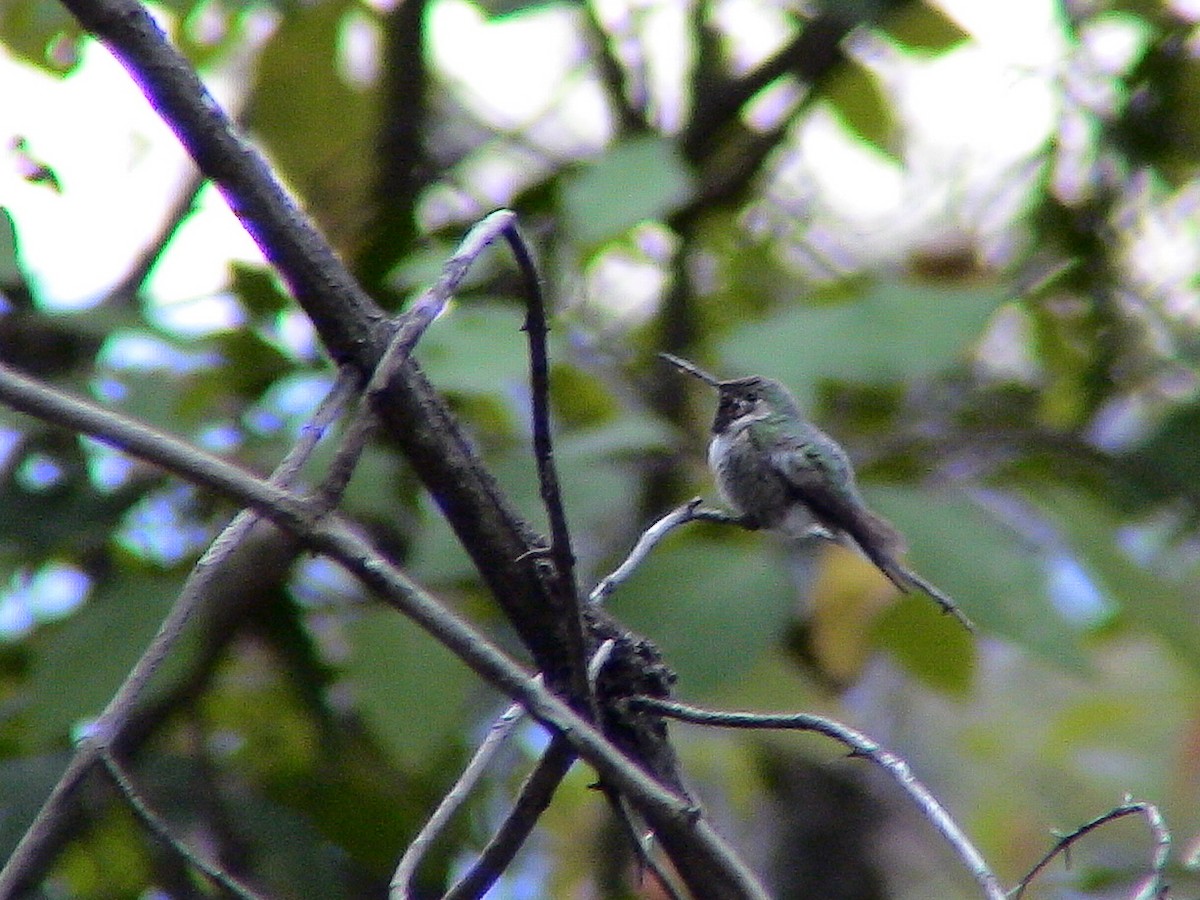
pixel 410 328
pixel 1154 886
pixel 860 745
pixel 536 330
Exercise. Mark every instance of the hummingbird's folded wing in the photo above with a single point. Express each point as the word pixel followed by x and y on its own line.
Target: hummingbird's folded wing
pixel 820 474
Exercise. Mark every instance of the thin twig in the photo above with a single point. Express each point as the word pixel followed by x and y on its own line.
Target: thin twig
pixel 536 330
pixel 564 590
pixel 860 745
pixel 410 328
pixel 671 815
pixel 489 860
pixel 454 798
pixel 28 395
pixel 532 800
pixel 1154 886
pixel 649 539
pixel 159 827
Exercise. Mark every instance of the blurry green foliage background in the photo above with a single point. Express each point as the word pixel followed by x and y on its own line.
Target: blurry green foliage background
pixel 1004 336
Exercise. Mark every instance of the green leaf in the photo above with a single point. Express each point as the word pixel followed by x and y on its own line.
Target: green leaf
pixel 30 28
pixel 857 96
pixel 932 646
pixel 260 291
pixel 992 573
pixel 893 332
pixel 925 27
pixel 25 783
pixel 713 607
pixel 79 665
pixel 411 690
pixel 10 262
pixel 640 178
pixel 476 348
pixel 327 157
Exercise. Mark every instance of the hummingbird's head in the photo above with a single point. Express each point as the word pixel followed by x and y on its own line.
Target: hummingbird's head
pixel 754 396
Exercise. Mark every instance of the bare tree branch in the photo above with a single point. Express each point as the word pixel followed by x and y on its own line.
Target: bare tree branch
pixel 649 539
pixel 159 827
pixel 499 732
pixel 1153 886
pixel 860 745
pixel 36 845
pixel 410 328
pixel 351 325
pixel 673 817
pixel 532 800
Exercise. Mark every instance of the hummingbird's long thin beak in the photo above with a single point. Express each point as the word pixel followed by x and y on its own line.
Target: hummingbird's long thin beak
pixel 691 369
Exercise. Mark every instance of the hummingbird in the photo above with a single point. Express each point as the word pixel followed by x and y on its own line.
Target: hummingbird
pixel 780 472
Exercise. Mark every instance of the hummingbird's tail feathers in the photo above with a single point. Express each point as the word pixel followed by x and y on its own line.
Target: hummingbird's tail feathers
pixel 881 543
pixel 944 600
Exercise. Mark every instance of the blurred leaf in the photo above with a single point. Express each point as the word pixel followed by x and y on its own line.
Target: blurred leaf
pixel 435 556
pixel 40 522
pixel 996 577
pixel 79 665
pixel 1166 607
pixel 25 783
pixel 893 332
pixel 476 348
pixel 712 606
pixel 857 96
pixel 249 365
pixel 298 80
pixel 410 689
pixel 639 178
pixel 924 26
pixel 494 9
pixel 10 261
pixel 1169 457
pixel 29 28
pixel 931 646
pixel 259 290
pixel 631 433
pixel 579 397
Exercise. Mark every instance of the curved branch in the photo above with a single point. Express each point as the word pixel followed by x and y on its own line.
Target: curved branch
pixel 500 731
pixel 162 830
pixel 351 325
pixel 1154 886
pixel 860 745
pixel 36 845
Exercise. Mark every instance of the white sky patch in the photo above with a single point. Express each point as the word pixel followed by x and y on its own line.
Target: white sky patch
pixel 116 161
pixel 121 168
pixel 513 66
pixel 970 114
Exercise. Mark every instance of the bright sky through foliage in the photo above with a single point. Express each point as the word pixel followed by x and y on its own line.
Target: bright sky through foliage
pixel 977 110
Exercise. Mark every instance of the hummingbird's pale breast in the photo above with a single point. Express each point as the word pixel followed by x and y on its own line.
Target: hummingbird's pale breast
pixel 750 483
